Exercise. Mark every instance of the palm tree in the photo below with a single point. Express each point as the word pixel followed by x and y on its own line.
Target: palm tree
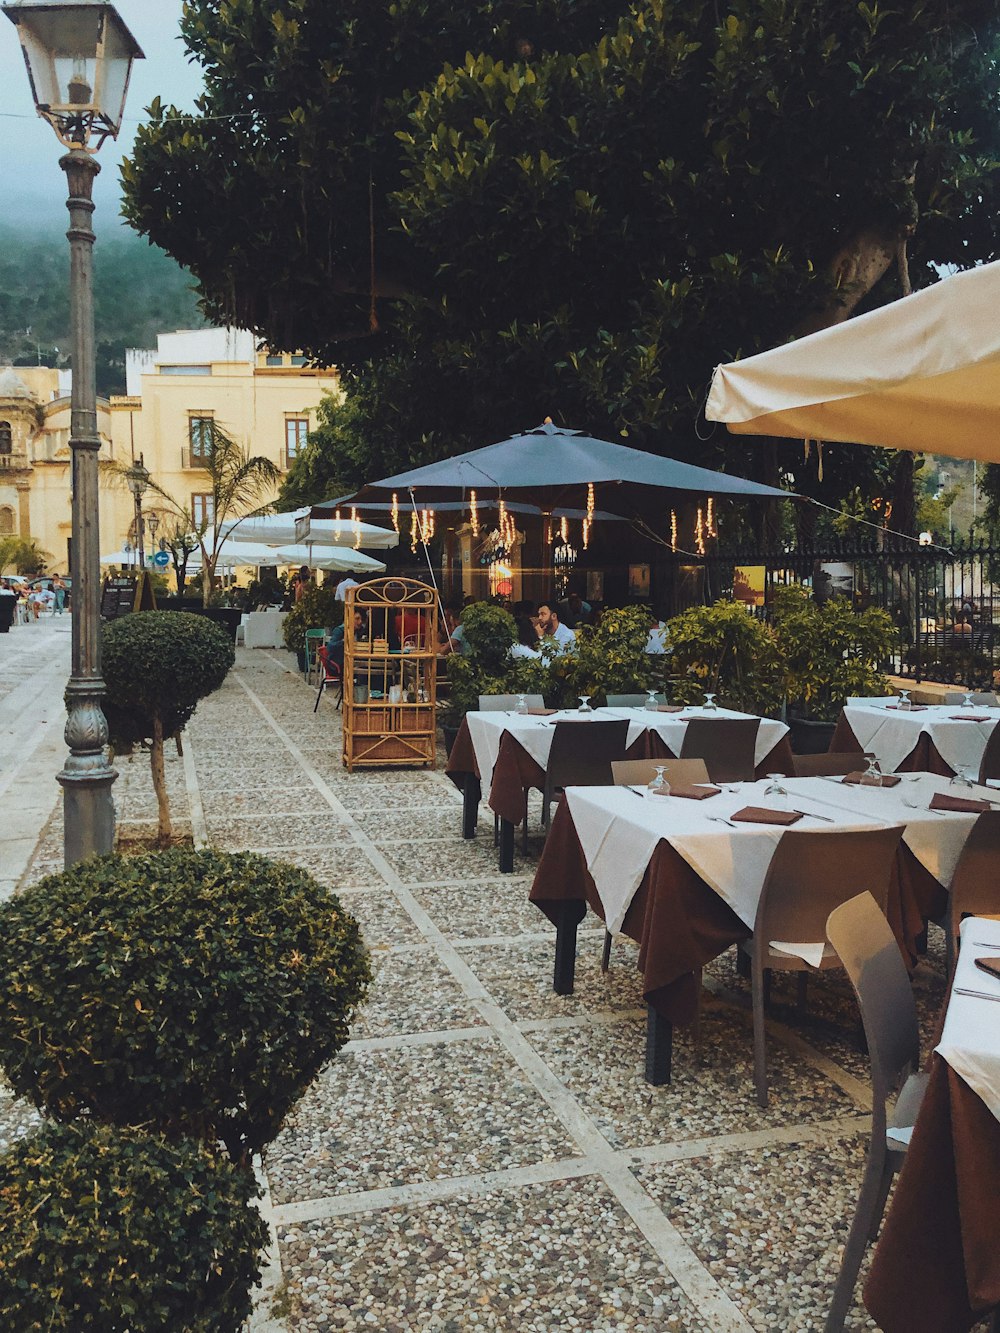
pixel 25 554
pixel 237 483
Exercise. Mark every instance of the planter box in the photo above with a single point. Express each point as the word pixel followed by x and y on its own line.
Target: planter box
pixel 808 737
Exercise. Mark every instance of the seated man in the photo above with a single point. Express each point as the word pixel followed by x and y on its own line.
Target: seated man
pixel 575 611
pixel 548 626
pixel 335 641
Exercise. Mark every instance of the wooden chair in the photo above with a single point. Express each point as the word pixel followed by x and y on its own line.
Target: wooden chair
pixel 315 638
pixel 811 873
pixel 726 744
pixel 631 700
pixel 833 764
pixel 861 938
pixel 975 885
pixel 989 765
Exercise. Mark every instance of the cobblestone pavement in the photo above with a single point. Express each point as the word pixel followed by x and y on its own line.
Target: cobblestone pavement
pixel 485 1154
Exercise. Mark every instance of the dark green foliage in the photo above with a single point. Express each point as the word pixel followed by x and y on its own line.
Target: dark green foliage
pixel 317 608
pixel 611 658
pixel 195 992
pixel 121 1231
pixel 159 664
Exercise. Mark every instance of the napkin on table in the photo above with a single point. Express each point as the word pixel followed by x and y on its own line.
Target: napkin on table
pixel 758 814
pixel 888 779
pixel 968 804
pixel 691 793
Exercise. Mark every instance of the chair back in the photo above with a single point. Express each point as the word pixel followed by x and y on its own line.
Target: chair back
pixel 833 765
pixel 726 744
pixel 331 670
pixel 506 703
pixel 582 753
pixel 631 700
pixel 867 948
pixel 981 698
pixel 873 699
pixel 989 765
pixel 632 772
pixel 975 885
pixel 813 872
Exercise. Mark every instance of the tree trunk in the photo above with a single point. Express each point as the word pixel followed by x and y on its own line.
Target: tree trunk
pixel 855 269
pixel 904 510
pixel 165 830
pixel 206 580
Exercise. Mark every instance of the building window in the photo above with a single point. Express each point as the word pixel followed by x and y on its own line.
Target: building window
pixel 203 509
pixel 6 522
pixel 275 361
pixel 6 438
pixel 185 370
pixel 300 360
pixel 200 432
pixel 296 431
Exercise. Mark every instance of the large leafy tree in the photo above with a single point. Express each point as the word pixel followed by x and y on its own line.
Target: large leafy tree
pixel 581 217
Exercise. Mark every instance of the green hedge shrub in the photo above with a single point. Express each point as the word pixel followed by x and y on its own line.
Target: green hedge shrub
pixel 725 650
pixel 198 992
pixel 317 608
pixel 118 1231
pixel 157 665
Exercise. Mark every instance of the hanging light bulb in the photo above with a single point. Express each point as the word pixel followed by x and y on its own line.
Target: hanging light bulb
pixel 673 529
pixel 414 532
pixel 699 532
pixel 590 502
pixel 473 514
pixel 564 529
pixel 710 517
pixel 356 525
pixel 395 512
pixel 586 533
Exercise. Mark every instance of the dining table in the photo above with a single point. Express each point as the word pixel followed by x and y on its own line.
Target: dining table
pixel 933 738
pixel 506 752
pixel 682 877
pixel 937 1262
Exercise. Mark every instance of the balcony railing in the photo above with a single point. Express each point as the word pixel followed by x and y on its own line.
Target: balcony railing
pixel 193 459
pixel 14 462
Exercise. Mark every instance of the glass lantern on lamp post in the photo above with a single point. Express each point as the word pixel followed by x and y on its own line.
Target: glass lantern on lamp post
pixel 138 483
pixel 79 57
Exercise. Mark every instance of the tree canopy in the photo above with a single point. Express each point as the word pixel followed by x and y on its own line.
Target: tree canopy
pixel 490 213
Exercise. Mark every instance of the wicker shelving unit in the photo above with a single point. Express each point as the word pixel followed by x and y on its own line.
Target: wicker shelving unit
pixel 390 674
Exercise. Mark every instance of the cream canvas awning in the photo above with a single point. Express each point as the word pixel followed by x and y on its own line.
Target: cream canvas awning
pixel 922 373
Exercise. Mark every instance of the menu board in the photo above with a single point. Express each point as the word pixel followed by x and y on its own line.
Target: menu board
pixel 124 593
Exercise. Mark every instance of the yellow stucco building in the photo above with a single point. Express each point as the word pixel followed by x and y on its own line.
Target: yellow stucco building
pixel 266 401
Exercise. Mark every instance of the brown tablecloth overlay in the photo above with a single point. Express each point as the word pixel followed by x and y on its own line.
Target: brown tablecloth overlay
pixel 936 1268
pixel 923 758
pixel 516 771
pixel 680 923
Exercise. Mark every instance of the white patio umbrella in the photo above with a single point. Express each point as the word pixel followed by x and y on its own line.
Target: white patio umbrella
pixel 922 373
pixel 325 557
pixel 298 528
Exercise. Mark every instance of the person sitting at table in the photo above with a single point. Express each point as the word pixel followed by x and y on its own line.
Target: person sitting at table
pixel 548 626
pixel 527 640
pixel 335 640
pixel 574 612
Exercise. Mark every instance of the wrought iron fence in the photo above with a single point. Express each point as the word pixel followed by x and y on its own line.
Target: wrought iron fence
pixel 944 601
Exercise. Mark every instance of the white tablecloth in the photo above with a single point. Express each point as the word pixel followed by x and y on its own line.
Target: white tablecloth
pixel 619 828
pixel 970 1041
pixel 892 733
pixel 533 733
pixel 263 629
pixel 670 727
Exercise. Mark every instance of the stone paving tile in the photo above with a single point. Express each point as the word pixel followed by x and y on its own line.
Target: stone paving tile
pixel 410 824
pixel 481 907
pixel 519 976
pixel 712 1089
pixel 340 866
pixel 360 798
pixel 224 776
pixel 416 862
pixel 769 1225
pixel 437 1114
pixel 383 922
pixel 541 1259
pixel 412 992
pixel 275 830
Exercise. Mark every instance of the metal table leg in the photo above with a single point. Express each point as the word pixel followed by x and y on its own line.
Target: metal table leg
pixel 659 1047
pixel 471 795
pixel 506 847
pixel 570 916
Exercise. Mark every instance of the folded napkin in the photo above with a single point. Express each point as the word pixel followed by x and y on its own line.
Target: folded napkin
pixel 968 804
pixel 888 779
pixel 968 717
pixel 669 708
pixel 913 708
pixel 541 712
pixel 757 814
pixel 691 793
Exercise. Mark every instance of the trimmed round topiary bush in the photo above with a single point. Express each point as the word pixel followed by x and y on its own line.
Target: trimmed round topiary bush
pixel 195 991
pixel 157 665
pixel 118 1231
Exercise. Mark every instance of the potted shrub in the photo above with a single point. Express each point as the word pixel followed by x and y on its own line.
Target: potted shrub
pixel 111 1229
pixel 827 652
pixel 724 650
pixel 192 992
pixel 157 665
pixel 611 658
pixel 317 608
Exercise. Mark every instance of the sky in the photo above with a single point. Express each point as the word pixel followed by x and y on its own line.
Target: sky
pixel 33 191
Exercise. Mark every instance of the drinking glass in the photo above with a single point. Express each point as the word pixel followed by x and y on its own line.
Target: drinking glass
pixel 776 785
pixel 584 703
pixel 963 778
pixel 651 705
pixel 522 703
pixel 872 776
pixel 710 705
pixel 658 782
pixel 904 701
pixel 967 701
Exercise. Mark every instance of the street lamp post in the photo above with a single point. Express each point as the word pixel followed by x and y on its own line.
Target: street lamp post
pixel 138 484
pixel 79 58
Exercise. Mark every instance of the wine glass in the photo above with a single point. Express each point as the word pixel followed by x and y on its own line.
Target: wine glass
pixel 710 705
pixel 658 782
pixel 967 701
pixel 651 705
pixel 776 786
pixel 904 701
pixel 872 776
pixel 963 778
pixel 584 703
pixel 522 703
